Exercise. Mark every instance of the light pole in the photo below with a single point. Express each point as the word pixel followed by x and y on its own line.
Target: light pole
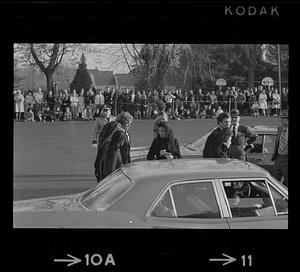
pixel 279 75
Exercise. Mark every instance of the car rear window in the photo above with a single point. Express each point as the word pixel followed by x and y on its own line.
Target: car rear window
pixel 106 192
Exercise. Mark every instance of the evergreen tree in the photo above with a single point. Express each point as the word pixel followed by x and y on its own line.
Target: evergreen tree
pixel 82 78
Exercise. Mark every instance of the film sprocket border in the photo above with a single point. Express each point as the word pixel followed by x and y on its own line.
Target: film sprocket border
pixel 136 249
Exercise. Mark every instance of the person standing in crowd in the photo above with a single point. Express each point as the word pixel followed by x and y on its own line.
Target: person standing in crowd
pixel 120 100
pixel 114 99
pixel 29 101
pixel 65 101
pixel 81 105
pixel 104 141
pixel 74 104
pixel 98 101
pixel 231 99
pixel 89 99
pixel 104 118
pixel 19 105
pixel 50 100
pixel 169 97
pixel 275 102
pixel 213 140
pixel 39 101
pixel 137 105
pixel 144 104
pixel 126 100
pixel 243 137
pixel 118 153
pixel 280 155
pixel 262 103
pixel 226 101
pixel 240 101
pixel 165 145
pixel 285 98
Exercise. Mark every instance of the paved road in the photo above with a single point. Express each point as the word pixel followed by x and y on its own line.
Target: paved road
pixel 57 158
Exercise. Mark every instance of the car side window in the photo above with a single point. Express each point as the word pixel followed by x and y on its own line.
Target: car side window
pixel 164 207
pixel 195 200
pixel 280 201
pixel 269 143
pixel 258 145
pixel 248 198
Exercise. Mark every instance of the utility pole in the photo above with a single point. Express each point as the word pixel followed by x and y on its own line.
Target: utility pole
pixel 279 75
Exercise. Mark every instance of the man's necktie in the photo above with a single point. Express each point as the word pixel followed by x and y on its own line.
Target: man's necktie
pixel 234 131
pixel 282 140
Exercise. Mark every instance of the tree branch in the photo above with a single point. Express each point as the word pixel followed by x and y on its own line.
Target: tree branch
pixel 37 60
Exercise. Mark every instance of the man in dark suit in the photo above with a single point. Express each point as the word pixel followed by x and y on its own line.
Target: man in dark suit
pixel 280 155
pixel 214 139
pixel 243 137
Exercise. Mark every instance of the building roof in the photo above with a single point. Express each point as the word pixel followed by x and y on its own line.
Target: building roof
pixel 125 80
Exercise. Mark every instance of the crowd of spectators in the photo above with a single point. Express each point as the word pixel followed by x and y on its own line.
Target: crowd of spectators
pixel 179 104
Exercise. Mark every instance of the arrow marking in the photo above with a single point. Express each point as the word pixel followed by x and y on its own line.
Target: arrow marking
pixel 227 261
pixel 72 261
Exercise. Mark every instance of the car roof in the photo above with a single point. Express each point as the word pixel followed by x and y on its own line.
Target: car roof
pixel 178 169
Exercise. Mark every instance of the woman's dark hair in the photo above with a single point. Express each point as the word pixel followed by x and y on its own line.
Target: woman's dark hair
pixel 124 117
pixel 168 130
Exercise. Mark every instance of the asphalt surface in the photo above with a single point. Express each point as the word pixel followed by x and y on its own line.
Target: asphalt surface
pixel 57 158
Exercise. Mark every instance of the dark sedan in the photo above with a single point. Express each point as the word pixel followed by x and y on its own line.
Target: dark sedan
pixel 182 193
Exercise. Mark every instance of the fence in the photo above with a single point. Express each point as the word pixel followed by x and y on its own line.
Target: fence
pixel 148 110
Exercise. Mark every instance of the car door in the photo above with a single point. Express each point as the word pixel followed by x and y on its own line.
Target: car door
pixel 263 150
pixel 188 204
pixel 255 204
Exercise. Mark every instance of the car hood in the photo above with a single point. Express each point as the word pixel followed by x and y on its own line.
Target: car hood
pixel 65 202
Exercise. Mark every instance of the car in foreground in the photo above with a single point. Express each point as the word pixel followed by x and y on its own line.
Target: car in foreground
pixel 261 153
pixel 182 193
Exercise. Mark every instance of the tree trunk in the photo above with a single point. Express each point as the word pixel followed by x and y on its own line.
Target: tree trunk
pixel 49 77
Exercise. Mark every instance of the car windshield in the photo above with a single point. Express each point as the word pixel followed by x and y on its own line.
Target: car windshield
pixel 103 194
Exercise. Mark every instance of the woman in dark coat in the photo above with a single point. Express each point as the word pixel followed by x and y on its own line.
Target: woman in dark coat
pixel 103 144
pixel 165 145
pixel 118 152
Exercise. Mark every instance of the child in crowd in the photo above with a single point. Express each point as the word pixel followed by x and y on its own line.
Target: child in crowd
pixel 97 113
pixel 176 115
pixel 84 115
pixel 30 115
pixel 209 112
pixel 57 113
pixel 254 109
pixel 47 115
pixel 40 116
pixel 89 114
pixel 202 114
pixel 67 114
pixel 219 110
pixel 195 114
pixel 187 114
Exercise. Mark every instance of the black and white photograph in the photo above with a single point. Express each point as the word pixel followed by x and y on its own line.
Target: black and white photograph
pixel 149 135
